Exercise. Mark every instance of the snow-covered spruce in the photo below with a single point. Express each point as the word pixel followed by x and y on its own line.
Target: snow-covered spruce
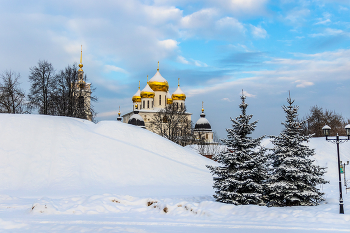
pixel 293 177
pixel 240 179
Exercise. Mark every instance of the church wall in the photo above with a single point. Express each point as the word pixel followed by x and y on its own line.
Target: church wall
pixel 162 96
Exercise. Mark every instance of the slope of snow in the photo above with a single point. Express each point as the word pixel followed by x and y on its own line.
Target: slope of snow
pixel 62 174
pixel 45 154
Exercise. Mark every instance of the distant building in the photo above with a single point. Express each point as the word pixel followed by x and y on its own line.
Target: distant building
pixel 202 129
pixel 154 97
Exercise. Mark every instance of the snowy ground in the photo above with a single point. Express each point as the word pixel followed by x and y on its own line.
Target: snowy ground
pixel 66 175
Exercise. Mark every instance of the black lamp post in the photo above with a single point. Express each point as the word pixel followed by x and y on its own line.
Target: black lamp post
pixel 326 129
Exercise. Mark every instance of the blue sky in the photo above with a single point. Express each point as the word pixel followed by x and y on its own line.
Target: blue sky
pixel 216 48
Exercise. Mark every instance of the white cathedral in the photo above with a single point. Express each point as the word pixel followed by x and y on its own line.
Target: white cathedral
pixel 154 97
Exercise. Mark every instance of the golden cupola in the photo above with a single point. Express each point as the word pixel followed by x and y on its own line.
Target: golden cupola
pixel 169 100
pixel 178 94
pixel 137 97
pixel 158 83
pixel 147 92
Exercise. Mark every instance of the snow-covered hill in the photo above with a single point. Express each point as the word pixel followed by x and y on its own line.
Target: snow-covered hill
pixel 46 155
pixel 61 174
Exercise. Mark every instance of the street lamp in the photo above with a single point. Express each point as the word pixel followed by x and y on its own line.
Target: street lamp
pixel 326 130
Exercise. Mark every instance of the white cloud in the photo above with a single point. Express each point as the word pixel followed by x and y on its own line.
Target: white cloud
pixel 314 68
pixel 109 68
pixel 226 99
pixel 182 60
pixel 303 83
pixel 258 32
pixel 241 8
pixel 168 44
pixel 323 21
pixel 229 23
pixel 199 19
pixel 207 23
pixel 220 86
pixel 297 16
pixel 248 94
pixel 329 32
pixel 199 63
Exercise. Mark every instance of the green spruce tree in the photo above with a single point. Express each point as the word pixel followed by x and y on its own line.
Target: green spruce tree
pixel 293 177
pixel 240 178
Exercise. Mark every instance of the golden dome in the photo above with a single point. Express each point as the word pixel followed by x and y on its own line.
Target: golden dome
pixel 158 83
pixel 169 100
pixel 178 94
pixel 137 97
pixel 147 92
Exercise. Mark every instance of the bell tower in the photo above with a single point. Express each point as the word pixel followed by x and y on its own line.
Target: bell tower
pixel 83 93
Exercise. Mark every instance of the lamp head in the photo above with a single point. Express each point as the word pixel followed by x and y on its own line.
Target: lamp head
pixel 347 128
pixel 326 129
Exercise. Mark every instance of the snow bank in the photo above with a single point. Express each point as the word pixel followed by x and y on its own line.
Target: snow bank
pixel 55 155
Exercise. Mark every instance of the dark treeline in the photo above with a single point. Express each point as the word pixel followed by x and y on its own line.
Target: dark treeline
pixel 54 93
pixel 317 118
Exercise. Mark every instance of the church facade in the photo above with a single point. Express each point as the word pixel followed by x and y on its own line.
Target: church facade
pixel 154 97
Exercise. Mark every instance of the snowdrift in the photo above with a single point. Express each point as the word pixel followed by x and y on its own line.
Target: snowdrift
pixel 61 155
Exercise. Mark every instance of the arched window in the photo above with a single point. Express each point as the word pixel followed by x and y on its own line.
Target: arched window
pixel 165 119
pixel 160 100
pixel 147 103
pixel 143 104
pixel 182 106
pixel 206 136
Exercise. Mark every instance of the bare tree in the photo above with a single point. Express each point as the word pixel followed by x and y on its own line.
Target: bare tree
pixel 61 94
pixel 173 123
pixel 318 118
pixel 42 78
pixel 12 98
pixel 208 149
pixel 72 97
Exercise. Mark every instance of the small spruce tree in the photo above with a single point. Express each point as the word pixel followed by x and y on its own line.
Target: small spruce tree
pixel 240 179
pixel 293 176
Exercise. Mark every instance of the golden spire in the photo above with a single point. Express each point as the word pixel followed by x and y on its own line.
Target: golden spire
pixel 202 107
pixel 178 82
pixel 119 111
pixel 139 84
pixel 81 59
pixel 147 78
pixel 158 66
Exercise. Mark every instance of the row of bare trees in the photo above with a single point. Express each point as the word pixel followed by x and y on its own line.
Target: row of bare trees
pixel 317 118
pixel 50 93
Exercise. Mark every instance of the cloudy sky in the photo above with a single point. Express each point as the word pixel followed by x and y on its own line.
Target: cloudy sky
pixel 216 48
